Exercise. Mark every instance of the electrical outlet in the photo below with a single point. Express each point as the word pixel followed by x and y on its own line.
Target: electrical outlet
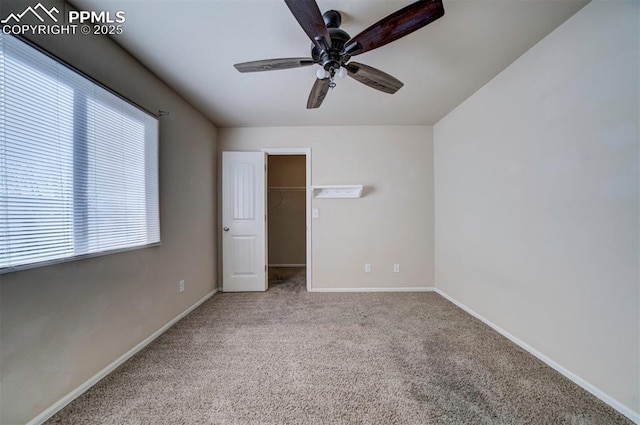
pixel 181 286
pixel 396 268
pixel 367 268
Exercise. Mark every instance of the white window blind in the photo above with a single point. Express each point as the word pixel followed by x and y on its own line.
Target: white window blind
pixel 78 164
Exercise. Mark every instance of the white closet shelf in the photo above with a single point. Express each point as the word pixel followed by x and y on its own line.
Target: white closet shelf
pixel 337 191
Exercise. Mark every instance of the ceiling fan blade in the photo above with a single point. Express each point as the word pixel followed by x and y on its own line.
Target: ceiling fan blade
pixel 308 15
pixel 273 64
pixel 397 25
pixel 373 77
pixel 318 93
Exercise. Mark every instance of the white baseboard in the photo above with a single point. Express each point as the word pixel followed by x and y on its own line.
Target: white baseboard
pixel 634 416
pixel 287 265
pixel 60 404
pixel 383 289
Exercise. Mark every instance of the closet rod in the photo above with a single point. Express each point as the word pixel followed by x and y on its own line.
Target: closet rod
pixel 288 188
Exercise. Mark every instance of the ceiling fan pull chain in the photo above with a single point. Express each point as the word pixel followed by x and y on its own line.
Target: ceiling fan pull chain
pixel 332 74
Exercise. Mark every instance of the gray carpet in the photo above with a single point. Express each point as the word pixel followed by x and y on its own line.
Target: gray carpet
pixel 291 357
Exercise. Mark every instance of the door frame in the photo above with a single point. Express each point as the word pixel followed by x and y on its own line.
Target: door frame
pixel 309 194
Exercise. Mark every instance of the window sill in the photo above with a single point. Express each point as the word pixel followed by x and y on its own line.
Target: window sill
pixel 23 267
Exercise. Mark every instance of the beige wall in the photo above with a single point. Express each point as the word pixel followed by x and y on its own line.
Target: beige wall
pixel 392 223
pixel 62 324
pixel 537 199
pixel 287 209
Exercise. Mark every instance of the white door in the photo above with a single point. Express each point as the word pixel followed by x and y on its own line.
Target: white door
pixel 244 252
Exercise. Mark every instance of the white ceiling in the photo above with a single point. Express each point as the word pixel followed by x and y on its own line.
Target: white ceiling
pixel 193 44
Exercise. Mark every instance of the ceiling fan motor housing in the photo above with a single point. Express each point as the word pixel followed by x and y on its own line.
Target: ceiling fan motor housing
pixel 331 58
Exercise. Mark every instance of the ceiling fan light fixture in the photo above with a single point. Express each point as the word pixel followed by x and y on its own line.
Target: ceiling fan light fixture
pixel 322 74
pixel 342 72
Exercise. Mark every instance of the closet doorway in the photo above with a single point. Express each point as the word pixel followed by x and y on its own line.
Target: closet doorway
pixel 287 222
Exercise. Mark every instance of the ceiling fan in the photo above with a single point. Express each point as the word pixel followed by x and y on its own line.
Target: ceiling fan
pixel 333 48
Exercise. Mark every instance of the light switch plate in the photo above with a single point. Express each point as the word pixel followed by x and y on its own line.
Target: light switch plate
pixel 315 213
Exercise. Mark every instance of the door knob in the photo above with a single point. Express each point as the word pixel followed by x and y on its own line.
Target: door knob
pixel 225 228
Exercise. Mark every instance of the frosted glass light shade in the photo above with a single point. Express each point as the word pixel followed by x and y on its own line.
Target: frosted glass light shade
pixel 322 74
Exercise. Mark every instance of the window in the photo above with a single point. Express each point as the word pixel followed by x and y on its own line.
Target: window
pixel 78 164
